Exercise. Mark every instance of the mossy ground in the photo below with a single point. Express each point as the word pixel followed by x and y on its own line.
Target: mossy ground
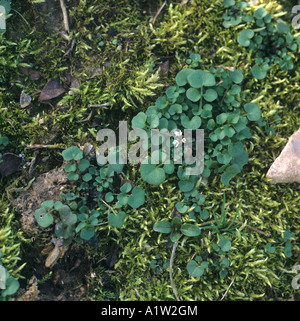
pixel 118 40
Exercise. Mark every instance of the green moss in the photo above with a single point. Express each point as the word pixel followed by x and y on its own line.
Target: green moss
pixel 116 55
pixel 10 240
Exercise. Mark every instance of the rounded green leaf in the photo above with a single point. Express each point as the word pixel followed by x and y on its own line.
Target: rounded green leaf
pixel 12 286
pixel 175 236
pixel 152 174
pixel 270 248
pixel 116 220
pixel 190 230
pixel 70 167
pixel 73 176
pixel 260 13
pixel 139 121
pixel 162 227
pixel 282 27
pixel 253 111
pixel 225 244
pixel 193 94
pixel 87 233
pixel 194 269
pixel 186 186
pixel 109 197
pixel 221 119
pixel 43 218
pixel 228 3
pixel 137 198
pixel 72 153
pixel 210 95
pixel 87 177
pixel 199 78
pixel 229 173
pixel 181 208
pixel 126 188
pixel 181 77
pixel 204 214
pixel 48 204
pixel 258 72
pixel 83 165
pixel 193 123
pixel 236 76
pixel 245 36
pixel 175 109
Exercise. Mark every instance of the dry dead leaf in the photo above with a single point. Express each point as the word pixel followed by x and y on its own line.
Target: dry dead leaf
pixel 10 164
pixel 52 89
pixel 25 100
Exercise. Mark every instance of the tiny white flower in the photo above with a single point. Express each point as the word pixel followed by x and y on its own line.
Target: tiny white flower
pixel 176 143
pixel 178 132
pixel 183 140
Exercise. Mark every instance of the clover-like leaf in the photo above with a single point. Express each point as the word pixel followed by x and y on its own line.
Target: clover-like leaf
pixel 195 269
pixel 43 218
pixel 225 244
pixel 253 111
pixel 228 3
pixel 72 153
pixel 137 198
pixel 152 174
pixel 70 167
pixel 181 208
pixel 210 95
pixel 193 123
pixel 83 165
pixel 139 121
pixel 181 77
pixel 126 187
pixel 87 233
pixel 245 36
pixel 229 173
pixel 200 78
pixel 116 220
pixel 260 13
pixel 193 94
pixel 270 248
pixel 259 72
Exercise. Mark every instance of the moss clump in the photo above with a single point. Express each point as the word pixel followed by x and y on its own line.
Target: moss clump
pixel 116 56
pixel 10 240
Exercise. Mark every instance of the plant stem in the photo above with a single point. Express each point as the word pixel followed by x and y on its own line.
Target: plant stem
pixel 228 289
pixel 171 271
pixel 59 146
pixel 267 234
pixel 65 15
pixel 152 20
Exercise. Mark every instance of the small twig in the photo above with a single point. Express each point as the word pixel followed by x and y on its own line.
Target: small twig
pixel 65 15
pixel 32 163
pixel 171 271
pixel 152 20
pixel 21 16
pixel 228 288
pixel 267 234
pixel 71 47
pixel 108 206
pixel 99 105
pixel 45 146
